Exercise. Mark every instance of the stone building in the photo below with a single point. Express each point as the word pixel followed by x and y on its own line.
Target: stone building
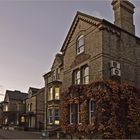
pixel 30 113
pixel 95 49
pixel 13 108
pixel 53 84
pixel 40 109
pixel 108 50
pixel 34 109
pixel 1 113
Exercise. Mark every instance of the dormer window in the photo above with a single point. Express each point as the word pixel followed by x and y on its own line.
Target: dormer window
pixel 80 44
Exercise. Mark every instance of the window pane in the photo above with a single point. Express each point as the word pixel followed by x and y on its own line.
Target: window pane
pixel 22 119
pixel 86 71
pixel 57 91
pixel 50 116
pixel 86 80
pixel 78 77
pixel 56 114
pixel 91 111
pixel 6 108
pixel 50 112
pixel 50 94
pixel 85 75
pixel 71 114
pixel 80 44
pixel 79 116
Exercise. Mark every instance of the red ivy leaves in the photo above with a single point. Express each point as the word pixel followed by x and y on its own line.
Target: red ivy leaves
pixel 117 109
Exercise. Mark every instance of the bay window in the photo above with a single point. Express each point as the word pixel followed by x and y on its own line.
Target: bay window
pixel 50 94
pixel 56 116
pixel 50 114
pixel 57 93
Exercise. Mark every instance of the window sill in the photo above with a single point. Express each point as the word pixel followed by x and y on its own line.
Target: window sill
pixel 78 54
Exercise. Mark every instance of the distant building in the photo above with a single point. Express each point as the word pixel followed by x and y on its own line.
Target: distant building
pixel 40 109
pixel 13 108
pixel 34 109
pixel 31 105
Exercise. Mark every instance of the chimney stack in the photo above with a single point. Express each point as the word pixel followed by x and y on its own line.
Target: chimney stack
pixel 123 12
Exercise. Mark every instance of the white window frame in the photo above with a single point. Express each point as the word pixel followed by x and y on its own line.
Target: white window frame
pixel 56 116
pixel 91 111
pixel 84 75
pixel 50 116
pixel 71 114
pixel 79 116
pixel 78 46
pixel 77 80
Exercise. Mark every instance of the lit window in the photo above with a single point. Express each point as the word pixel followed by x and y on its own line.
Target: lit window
pixel 91 111
pixel 22 119
pixel 50 113
pixel 80 44
pixel 77 77
pixel 85 75
pixel 57 93
pixel 71 114
pixel 28 107
pixel 6 120
pixel 79 116
pixel 6 108
pixel 50 94
pixel 56 116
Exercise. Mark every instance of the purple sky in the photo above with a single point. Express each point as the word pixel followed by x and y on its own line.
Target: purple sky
pixel 33 31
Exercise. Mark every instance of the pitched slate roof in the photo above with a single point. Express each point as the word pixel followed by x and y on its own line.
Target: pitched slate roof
pixel 34 90
pixel 58 57
pixel 79 15
pixel 39 91
pixel 92 20
pixel 15 95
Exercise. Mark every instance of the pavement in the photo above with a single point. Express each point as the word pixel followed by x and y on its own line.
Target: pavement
pixel 19 134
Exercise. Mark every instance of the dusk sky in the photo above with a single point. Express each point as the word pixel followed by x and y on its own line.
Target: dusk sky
pixel 33 31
